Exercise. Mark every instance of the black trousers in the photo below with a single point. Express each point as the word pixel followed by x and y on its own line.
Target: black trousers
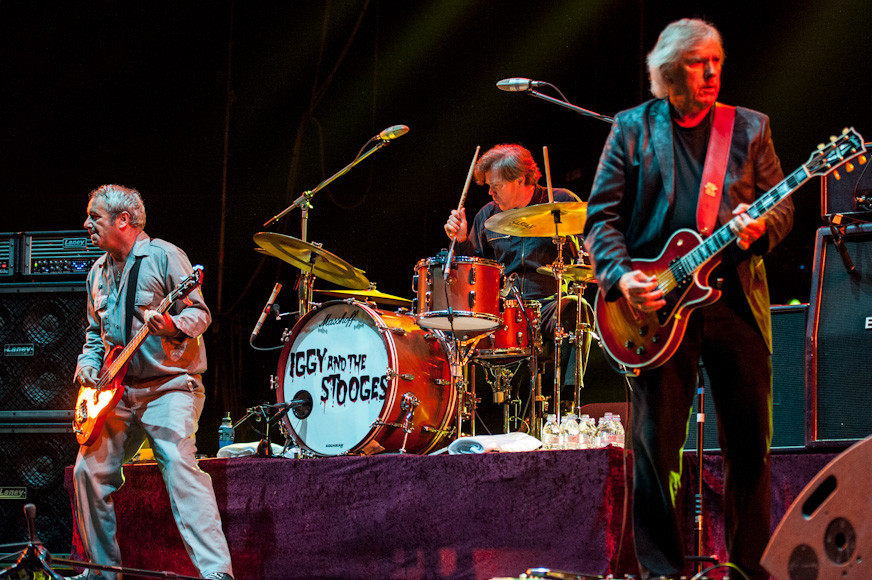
pixel 738 364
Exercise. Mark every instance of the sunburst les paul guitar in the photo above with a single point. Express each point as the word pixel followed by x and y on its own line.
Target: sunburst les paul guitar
pixel 640 340
pixel 94 403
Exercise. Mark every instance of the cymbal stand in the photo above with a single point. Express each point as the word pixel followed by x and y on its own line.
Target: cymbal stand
pixel 581 339
pixel 559 335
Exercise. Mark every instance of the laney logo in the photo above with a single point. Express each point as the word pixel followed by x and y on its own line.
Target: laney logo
pixel 13 493
pixel 18 349
pixel 75 242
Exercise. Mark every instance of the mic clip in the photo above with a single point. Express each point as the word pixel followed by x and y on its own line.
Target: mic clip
pixel 838 231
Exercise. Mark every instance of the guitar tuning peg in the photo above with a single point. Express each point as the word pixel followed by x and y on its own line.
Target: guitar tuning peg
pixel 862 159
pixel 832 138
pixel 849 167
pixel 820 146
pixel 845 131
pixel 836 175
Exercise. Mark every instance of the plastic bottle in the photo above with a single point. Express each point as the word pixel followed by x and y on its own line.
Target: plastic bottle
pixel 551 433
pixel 226 436
pixel 605 430
pixel 619 430
pixel 571 431
pixel 587 436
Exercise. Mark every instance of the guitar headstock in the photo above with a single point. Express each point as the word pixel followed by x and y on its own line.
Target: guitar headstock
pixel 188 284
pixel 839 151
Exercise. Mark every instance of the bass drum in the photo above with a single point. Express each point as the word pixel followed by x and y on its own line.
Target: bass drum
pixel 361 376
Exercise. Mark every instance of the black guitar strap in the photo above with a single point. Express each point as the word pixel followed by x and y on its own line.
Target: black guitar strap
pixel 131 296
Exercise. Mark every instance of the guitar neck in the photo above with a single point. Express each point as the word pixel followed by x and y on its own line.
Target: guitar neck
pixel 724 236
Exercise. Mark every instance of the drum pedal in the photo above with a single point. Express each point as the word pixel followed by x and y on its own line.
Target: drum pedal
pixel 408 404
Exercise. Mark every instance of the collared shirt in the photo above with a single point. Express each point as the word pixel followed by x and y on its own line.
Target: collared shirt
pixel 163 267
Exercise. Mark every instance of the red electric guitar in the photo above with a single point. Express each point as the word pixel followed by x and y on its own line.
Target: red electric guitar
pixel 641 340
pixel 94 403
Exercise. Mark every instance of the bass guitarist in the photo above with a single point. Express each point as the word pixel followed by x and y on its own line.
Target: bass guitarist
pixel 648 185
pixel 162 391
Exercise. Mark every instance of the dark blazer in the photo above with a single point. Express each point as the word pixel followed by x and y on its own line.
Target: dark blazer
pixel 633 196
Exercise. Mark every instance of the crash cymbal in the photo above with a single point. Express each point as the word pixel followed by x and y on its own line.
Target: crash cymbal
pixel 537 221
pixel 312 258
pixel 370 294
pixel 571 272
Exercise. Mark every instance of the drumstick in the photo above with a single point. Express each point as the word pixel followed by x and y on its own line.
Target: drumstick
pixel 548 175
pixel 460 207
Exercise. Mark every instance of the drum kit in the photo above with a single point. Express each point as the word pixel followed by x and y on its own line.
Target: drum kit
pixel 356 378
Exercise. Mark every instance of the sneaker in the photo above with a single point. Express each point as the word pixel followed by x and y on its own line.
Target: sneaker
pixel 218 576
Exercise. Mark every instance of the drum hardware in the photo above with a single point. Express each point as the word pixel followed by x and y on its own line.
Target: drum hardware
pixel 391 373
pixel 408 403
pixel 501 385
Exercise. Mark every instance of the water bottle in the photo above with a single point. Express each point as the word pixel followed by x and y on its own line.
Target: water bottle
pixel 571 431
pixel 619 430
pixel 551 433
pixel 587 436
pixel 605 431
pixel 226 435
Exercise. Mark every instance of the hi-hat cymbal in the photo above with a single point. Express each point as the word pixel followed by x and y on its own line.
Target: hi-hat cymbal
pixel 312 258
pixel 370 294
pixel 537 221
pixel 571 272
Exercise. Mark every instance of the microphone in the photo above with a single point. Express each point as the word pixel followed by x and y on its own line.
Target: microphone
pixel 266 311
pixel 519 84
pixel 393 132
pixel 839 241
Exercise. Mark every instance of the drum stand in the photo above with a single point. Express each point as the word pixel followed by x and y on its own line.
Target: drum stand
pixel 581 340
pixel 501 384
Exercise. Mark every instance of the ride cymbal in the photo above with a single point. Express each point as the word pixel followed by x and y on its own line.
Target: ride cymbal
pixel 312 258
pixel 571 272
pixel 538 221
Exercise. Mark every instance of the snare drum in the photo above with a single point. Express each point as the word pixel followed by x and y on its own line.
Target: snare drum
pixel 513 339
pixel 367 374
pixel 471 295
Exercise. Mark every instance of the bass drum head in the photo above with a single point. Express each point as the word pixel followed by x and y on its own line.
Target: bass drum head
pixel 345 360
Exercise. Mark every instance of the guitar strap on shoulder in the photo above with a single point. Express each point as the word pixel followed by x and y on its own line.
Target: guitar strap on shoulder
pixel 131 296
pixel 715 169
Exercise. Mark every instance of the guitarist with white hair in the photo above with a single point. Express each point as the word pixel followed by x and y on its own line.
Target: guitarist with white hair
pixel 160 396
pixel 684 161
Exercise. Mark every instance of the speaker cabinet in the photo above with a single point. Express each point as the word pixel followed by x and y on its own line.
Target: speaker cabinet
pixel 788 385
pixel 34 457
pixel 825 533
pixel 841 195
pixel 839 340
pixel 42 333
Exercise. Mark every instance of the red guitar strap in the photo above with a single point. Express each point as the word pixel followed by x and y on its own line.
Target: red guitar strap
pixel 715 168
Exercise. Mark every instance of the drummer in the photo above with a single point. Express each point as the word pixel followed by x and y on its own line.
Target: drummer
pixel 512 177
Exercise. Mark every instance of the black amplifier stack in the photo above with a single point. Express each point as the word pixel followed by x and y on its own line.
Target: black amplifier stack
pixel 42 322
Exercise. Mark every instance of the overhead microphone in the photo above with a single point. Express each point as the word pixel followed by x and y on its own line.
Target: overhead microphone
pixel 393 132
pixel 519 84
pixel 266 311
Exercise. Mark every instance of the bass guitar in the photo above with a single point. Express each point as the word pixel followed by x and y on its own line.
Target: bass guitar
pixel 642 340
pixel 94 403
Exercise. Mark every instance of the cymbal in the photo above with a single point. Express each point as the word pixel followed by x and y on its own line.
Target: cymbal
pixel 571 272
pixel 537 221
pixel 312 258
pixel 370 294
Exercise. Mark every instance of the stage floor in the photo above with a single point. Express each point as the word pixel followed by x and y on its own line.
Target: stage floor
pixel 411 517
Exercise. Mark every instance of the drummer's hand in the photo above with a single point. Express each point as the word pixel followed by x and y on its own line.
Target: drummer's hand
pixel 748 230
pixel 160 324
pixel 641 291
pixel 87 377
pixel 455 227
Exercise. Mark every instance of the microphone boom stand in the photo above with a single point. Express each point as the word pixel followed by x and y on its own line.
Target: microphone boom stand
pixel 570 106
pixel 304 202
